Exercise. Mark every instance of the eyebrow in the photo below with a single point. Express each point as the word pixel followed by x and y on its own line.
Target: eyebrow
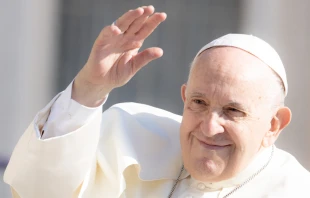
pixel 198 94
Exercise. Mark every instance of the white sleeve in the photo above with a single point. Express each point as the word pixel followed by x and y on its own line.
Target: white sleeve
pixel 67 115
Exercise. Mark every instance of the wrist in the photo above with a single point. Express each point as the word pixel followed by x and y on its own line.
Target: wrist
pixel 88 94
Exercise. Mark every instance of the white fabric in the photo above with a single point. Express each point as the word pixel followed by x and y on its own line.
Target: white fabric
pixel 255 46
pixel 137 155
pixel 67 115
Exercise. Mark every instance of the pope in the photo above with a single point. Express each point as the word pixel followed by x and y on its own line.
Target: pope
pixel 222 146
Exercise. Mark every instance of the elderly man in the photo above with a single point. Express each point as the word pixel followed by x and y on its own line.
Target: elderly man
pixel 222 146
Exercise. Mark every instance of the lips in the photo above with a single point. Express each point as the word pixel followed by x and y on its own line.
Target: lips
pixel 211 145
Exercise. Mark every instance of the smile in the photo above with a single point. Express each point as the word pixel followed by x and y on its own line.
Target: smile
pixel 212 146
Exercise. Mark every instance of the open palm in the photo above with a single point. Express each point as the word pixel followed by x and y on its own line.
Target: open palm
pixel 115 56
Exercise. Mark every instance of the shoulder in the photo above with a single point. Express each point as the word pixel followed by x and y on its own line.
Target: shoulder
pixel 284 177
pixel 147 135
pixel 288 162
pixel 289 176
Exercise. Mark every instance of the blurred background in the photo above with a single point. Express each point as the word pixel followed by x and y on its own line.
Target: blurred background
pixel 43 44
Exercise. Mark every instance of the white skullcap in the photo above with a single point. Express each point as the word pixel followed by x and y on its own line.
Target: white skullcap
pixel 255 46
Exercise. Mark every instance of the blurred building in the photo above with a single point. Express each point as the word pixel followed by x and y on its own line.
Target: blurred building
pixel 45 43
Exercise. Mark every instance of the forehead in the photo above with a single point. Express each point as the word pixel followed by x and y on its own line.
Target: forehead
pixel 231 60
pixel 231 72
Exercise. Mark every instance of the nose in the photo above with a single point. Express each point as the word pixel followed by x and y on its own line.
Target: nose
pixel 211 124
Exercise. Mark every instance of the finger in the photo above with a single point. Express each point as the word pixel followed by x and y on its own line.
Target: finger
pixel 144 57
pixel 126 57
pixel 137 24
pixel 126 19
pixel 107 32
pixel 150 25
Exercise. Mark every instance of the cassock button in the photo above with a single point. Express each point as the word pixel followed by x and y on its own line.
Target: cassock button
pixel 201 186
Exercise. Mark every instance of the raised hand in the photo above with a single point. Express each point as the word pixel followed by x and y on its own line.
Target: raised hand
pixel 115 56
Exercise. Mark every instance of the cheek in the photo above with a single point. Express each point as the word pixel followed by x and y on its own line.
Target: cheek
pixel 247 136
pixel 240 155
pixel 261 129
pixel 189 124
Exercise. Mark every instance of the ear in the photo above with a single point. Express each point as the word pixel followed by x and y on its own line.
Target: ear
pixel 277 124
pixel 183 90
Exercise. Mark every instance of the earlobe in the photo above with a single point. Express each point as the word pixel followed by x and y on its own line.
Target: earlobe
pixel 277 124
pixel 273 133
pixel 183 90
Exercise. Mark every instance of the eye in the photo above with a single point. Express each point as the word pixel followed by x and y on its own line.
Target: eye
pixel 197 105
pixel 197 101
pixel 233 109
pixel 234 112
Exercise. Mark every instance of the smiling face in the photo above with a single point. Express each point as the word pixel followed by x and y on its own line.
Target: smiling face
pixel 227 116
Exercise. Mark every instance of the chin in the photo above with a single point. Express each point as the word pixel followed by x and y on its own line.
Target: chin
pixel 206 170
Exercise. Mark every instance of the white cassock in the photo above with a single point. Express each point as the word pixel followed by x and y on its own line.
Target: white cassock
pixel 129 151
